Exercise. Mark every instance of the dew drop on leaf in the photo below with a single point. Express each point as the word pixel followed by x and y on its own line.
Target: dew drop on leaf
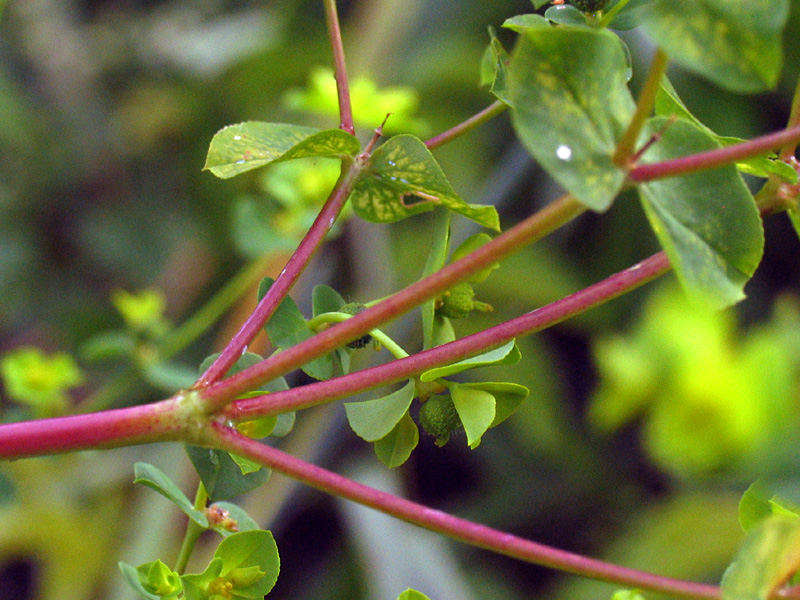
pixel 564 152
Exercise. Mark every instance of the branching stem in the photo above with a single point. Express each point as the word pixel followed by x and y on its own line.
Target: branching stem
pixel 457 528
pixel 474 121
pixel 340 69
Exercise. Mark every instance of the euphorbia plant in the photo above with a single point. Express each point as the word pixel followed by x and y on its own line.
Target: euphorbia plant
pixel 565 84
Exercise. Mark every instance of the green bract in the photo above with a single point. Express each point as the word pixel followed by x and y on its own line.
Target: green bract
pixel 38 380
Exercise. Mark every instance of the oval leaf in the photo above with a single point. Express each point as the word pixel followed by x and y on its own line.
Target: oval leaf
pixel 221 476
pixel 571 104
pixel 733 43
pixel 156 479
pixel 476 409
pixel 507 354
pixel 394 449
pixel 375 419
pixel 508 396
pixel 401 169
pixel 246 146
pixel 707 222
pixel 250 549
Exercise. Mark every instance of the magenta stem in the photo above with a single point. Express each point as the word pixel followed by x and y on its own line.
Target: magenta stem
pixel 287 278
pixel 340 68
pixel 398 370
pixel 457 528
pixel 474 121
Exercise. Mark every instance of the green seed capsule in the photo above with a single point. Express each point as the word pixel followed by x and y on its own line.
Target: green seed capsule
pixel 438 417
pixel 353 308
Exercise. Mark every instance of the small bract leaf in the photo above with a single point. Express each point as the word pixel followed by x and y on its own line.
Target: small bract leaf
pixel 769 556
pixel 566 14
pixel 508 397
pixel 221 476
pixel 497 60
pixel 394 449
pixel 195 586
pixel 437 255
pixel 244 550
pixel 401 169
pixel 754 506
pixel 325 299
pixel 733 43
pixel 246 146
pixel 476 409
pixel 794 216
pixel 707 223
pixel 522 22
pixel 152 477
pixel 244 522
pixel 630 16
pixel 131 576
pixel 468 246
pixel 571 105
pixel 628 595
pixel 375 419
pixel 507 354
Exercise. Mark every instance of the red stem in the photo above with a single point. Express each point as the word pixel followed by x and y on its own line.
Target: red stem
pixel 534 227
pixel 340 69
pixel 398 370
pixel 457 528
pixel 106 429
pixel 474 121
pixel 715 158
pixel 287 278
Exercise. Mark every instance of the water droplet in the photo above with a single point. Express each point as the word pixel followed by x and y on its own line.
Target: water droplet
pixel 237 137
pixel 391 162
pixel 564 152
pixel 392 177
pixel 240 161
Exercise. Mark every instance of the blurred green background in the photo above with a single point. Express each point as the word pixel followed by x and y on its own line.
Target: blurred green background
pixel 647 417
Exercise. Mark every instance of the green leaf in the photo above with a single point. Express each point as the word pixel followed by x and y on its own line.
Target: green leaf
pixel 375 419
pixel 508 397
pixel 520 23
pixel 794 217
pixel 769 556
pixel 627 595
pixel 244 550
pixel 195 586
pixel 401 168
pixel 131 576
pixel 760 502
pixel 496 61
pixel 39 380
pixel 476 409
pixel 668 103
pixel 566 14
pixel 238 515
pixel 468 246
pixel 630 16
pixel 507 354
pixel 440 242
pixel 169 376
pixel 394 449
pixel 412 595
pixel 246 146
pixel 287 327
pixel 325 299
pixel 221 476
pixel 707 222
pixel 246 466
pixel 734 43
pixel 152 477
pixel 571 105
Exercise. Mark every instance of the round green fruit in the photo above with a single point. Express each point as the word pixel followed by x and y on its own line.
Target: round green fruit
pixel 438 417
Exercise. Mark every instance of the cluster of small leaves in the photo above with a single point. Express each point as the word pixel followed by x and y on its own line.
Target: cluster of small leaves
pixel 447 406
pixel 566 83
pixel 245 564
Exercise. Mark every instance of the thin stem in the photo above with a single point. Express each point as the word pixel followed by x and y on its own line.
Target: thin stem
pixel 193 531
pixel 537 320
pixel 715 158
pixel 336 317
pixel 644 106
pixel 287 278
pixel 457 528
pixel 340 69
pixel 207 315
pixel 794 119
pixel 474 121
pixel 531 229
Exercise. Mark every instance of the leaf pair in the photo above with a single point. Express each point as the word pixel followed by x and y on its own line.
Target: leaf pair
pixel 401 179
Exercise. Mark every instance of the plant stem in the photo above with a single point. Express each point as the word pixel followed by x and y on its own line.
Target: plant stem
pixel 537 320
pixel 609 16
pixel 474 121
pixel 532 228
pixel 715 158
pixel 287 278
pixel 193 531
pixel 644 106
pixel 340 69
pixel 457 528
pixel 336 317
pixel 162 421
pixel 180 337
pixel 794 119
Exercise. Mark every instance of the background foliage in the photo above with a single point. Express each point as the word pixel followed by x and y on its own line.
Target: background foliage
pixel 647 418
